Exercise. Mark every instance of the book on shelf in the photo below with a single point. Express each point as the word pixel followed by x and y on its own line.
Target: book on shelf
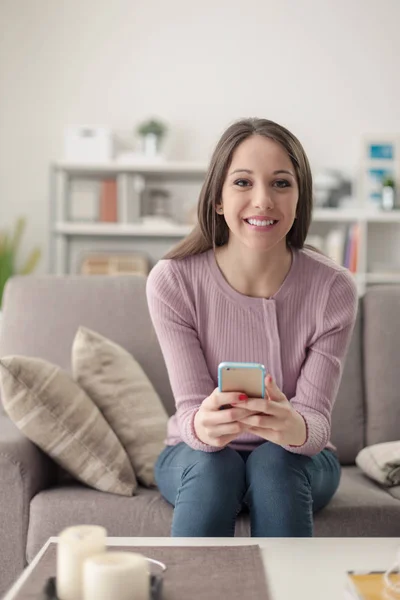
pixel 370 585
pixel 341 244
pixel 108 202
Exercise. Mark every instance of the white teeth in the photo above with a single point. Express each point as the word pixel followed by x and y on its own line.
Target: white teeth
pixel 260 223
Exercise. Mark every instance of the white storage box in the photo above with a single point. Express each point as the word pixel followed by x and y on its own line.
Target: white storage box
pixel 88 143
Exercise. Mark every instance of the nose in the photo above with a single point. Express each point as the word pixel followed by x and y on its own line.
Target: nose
pixel 263 198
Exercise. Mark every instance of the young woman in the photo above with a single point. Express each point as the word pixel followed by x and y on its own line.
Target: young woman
pixel 243 287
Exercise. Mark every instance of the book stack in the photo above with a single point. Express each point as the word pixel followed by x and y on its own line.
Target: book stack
pixel 341 244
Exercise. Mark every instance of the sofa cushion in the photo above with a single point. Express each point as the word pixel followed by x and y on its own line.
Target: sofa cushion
pixel 382 363
pixel 118 386
pixel 348 415
pixel 359 508
pixel 115 307
pixel 57 415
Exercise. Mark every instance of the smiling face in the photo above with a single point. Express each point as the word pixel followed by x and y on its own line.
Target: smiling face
pixel 259 194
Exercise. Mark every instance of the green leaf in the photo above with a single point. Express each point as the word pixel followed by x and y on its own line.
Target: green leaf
pixel 31 262
pixel 6 271
pixel 18 231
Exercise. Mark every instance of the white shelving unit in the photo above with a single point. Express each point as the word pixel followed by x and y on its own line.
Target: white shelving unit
pixel 132 179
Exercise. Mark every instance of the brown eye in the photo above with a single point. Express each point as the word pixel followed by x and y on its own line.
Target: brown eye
pixel 282 183
pixel 242 182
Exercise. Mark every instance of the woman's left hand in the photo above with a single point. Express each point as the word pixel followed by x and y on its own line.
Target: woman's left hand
pixel 278 421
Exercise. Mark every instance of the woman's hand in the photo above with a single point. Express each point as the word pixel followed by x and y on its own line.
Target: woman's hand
pixel 276 419
pixel 217 427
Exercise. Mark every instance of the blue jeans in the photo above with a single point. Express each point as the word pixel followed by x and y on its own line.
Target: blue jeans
pixel 281 490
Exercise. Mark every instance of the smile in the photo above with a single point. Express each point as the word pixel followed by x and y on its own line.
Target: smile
pixel 261 223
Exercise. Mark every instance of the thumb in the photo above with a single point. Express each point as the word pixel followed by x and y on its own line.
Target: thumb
pixel 272 389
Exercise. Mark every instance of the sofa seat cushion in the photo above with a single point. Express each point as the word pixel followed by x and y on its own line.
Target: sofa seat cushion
pixel 359 508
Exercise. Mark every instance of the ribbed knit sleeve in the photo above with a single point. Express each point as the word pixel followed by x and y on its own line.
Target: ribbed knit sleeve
pixel 173 319
pixel 320 376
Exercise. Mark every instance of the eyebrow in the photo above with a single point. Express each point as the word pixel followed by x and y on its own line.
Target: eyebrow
pixel 251 172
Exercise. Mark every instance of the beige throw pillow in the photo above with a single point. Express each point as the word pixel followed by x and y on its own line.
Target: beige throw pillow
pixel 381 462
pixel 119 387
pixel 58 416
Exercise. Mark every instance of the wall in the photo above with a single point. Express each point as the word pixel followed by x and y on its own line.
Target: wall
pixel 327 69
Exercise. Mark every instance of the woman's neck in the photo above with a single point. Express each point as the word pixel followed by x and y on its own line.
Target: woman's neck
pixel 253 273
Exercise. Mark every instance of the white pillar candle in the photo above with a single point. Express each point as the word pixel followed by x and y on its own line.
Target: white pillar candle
pixel 75 544
pixel 119 575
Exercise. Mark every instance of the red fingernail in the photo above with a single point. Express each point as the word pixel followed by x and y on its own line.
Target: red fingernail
pixel 269 379
pixel 242 397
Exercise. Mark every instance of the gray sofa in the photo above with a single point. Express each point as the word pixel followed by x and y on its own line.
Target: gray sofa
pixel 41 316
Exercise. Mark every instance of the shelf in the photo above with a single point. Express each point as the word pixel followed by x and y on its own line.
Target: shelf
pixel 122 229
pixel 337 215
pixel 384 217
pixel 135 175
pixel 362 215
pixel 177 230
pixel 382 277
pixel 170 169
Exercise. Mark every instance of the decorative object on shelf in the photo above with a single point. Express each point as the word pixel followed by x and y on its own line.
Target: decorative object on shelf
pixel 389 194
pixel 88 143
pixel 375 179
pixel 158 204
pixel 108 203
pixel 380 163
pixel 152 133
pixel 115 264
pixel 9 246
pixel 331 188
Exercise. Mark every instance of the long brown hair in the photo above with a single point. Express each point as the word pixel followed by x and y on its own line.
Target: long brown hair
pixel 211 229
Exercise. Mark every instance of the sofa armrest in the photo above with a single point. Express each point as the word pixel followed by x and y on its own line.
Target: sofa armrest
pixel 24 471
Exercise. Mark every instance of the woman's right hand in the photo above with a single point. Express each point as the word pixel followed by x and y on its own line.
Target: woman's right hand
pixel 217 427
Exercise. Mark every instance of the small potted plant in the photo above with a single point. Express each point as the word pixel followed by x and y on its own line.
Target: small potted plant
pixel 9 245
pixel 152 133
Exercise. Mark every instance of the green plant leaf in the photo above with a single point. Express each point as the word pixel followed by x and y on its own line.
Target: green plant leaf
pixel 152 126
pixel 31 262
pixel 4 245
pixel 18 232
pixel 6 270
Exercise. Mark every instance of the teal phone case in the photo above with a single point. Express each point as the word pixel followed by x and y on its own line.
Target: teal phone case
pixel 240 365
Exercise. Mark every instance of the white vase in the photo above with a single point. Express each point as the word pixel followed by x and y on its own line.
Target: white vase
pixel 388 198
pixel 151 145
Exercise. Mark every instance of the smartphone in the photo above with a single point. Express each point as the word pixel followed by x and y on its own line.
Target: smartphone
pixel 248 378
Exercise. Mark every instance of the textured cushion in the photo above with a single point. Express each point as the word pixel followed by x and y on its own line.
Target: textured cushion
pixel 58 416
pixel 382 364
pixel 117 384
pixel 381 462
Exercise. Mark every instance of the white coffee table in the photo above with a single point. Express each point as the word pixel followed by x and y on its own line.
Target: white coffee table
pixel 301 568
